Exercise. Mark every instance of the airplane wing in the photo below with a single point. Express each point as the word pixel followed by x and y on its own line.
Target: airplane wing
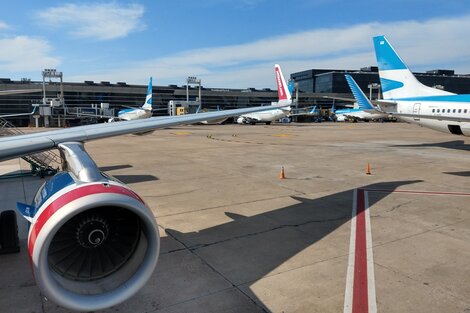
pixel 16 146
pixel 13 92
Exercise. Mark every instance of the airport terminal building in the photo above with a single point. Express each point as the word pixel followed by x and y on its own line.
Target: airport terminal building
pixel 106 98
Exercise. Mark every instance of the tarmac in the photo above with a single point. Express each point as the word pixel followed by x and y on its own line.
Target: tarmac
pixel 236 238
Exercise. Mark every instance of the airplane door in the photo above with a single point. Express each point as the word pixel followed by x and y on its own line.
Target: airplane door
pixel 416 108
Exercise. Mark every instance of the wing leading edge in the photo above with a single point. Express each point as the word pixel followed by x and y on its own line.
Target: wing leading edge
pixel 16 146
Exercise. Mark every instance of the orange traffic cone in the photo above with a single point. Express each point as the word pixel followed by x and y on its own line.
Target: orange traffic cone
pixel 368 169
pixel 281 174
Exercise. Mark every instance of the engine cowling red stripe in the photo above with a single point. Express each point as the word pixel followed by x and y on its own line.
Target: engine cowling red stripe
pixel 70 196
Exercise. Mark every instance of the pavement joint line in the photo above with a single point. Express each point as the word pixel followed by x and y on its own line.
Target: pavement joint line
pixel 193 252
pixel 436 229
pixel 295 268
pixel 439 289
pixel 192 299
pixel 200 246
pixel 227 205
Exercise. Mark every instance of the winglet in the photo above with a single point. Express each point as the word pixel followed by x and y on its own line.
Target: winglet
pixel 282 90
pixel 359 95
pixel 148 99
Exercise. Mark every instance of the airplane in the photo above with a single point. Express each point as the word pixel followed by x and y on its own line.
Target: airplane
pixel 145 111
pixel 272 115
pixel 93 242
pixel 414 102
pixel 365 110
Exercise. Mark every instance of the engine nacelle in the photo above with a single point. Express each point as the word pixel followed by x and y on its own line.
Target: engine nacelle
pixel 92 244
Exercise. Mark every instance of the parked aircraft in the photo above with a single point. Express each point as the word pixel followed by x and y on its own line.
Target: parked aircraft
pixel 416 103
pixel 145 111
pixel 365 110
pixel 272 115
pixel 93 242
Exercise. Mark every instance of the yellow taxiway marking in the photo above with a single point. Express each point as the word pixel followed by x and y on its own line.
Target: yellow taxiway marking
pixel 281 135
pixel 182 133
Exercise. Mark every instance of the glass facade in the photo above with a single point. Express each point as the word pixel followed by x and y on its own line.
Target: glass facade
pixel 83 95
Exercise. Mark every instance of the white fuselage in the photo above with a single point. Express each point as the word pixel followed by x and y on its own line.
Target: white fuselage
pixel 263 117
pixel 453 109
pixel 357 114
pixel 134 114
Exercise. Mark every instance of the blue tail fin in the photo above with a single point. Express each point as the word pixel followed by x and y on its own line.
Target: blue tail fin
pixel 148 99
pixel 361 99
pixel 396 80
pixel 291 86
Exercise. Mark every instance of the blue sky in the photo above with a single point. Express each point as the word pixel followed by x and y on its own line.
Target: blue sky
pixel 225 43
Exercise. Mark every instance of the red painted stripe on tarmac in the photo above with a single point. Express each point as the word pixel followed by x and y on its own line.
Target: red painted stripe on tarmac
pixel 436 193
pixel 360 303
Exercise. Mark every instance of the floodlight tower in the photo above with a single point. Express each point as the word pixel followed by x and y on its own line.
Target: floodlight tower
pixel 53 73
pixel 373 86
pixel 193 80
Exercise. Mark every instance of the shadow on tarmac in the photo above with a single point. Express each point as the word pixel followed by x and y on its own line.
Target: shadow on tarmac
pixel 454 144
pixel 247 249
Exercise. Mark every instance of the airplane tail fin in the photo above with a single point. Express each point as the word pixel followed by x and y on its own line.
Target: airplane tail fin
pixel 396 79
pixel 291 87
pixel 148 99
pixel 282 89
pixel 361 99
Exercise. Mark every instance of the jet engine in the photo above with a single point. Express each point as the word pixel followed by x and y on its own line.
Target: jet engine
pixel 93 242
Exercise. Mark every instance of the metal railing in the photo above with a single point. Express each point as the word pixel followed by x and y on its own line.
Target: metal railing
pixel 42 163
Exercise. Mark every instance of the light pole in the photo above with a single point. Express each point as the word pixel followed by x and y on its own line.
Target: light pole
pixel 193 80
pixel 373 86
pixel 53 73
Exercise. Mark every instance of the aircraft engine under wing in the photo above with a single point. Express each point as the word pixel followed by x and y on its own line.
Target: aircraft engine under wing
pixel 93 242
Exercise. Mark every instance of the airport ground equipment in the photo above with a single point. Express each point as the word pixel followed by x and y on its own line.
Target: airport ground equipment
pixel 9 241
pixel 42 163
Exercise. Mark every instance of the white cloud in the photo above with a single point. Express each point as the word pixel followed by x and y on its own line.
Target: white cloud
pixel 423 45
pixel 25 54
pixel 3 25
pixel 97 21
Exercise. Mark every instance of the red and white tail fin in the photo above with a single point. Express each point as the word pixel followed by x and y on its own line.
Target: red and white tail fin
pixel 282 90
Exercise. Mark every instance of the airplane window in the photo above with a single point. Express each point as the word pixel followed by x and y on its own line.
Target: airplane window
pixel 438 110
pixel 453 111
pixel 460 110
pixel 432 110
pixel 448 110
pixel 465 111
